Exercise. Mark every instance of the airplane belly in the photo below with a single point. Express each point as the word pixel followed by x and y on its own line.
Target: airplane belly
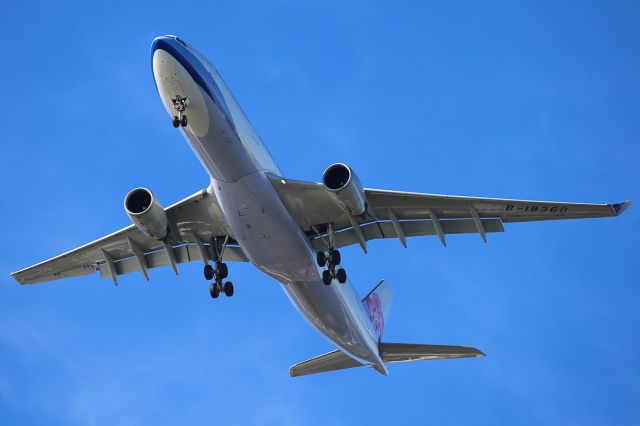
pixel 265 230
pixel 274 242
pixel 337 312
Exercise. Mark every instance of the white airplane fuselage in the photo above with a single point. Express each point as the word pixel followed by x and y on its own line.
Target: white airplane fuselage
pixel 238 163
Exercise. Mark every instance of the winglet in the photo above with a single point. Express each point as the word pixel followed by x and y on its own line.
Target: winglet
pixel 618 208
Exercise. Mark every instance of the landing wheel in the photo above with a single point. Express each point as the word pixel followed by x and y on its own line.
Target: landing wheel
pixel 223 270
pixel 334 257
pixel 341 275
pixel 214 290
pixel 326 277
pixel 228 289
pixel 322 259
pixel 175 121
pixel 208 272
pixel 183 121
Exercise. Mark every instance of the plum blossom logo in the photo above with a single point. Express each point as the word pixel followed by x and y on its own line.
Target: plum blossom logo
pixel 374 304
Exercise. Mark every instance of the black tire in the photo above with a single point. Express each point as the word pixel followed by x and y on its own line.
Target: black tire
pixel 335 257
pixel 208 272
pixel 175 122
pixel 228 289
pixel 326 277
pixel 341 275
pixel 183 121
pixel 223 270
pixel 214 290
pixel 321 258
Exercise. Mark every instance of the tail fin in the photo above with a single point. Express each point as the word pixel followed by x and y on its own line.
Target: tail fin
pixel 378 304
pixel 390 352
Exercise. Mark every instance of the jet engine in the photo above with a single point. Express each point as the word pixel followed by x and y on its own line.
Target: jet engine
pixel 345 188
pixel 146 213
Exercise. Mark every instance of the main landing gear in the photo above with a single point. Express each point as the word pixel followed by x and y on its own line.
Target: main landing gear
pixel 180 104
pixel 220 272
pixel 331 260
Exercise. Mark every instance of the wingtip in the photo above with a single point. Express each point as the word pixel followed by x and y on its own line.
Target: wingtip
pixel 619 208
pixel 295 372
pixel 474 352
pixel 14 275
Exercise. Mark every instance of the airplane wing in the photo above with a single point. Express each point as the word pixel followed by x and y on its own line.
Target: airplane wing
pixel 398 214
pixel 194 221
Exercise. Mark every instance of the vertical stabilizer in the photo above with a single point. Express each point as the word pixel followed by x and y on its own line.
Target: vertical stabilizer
pixel 378 303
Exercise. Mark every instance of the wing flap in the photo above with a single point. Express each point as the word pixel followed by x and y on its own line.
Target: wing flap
pixel 76 272
pixel 412 228
pixel 160 258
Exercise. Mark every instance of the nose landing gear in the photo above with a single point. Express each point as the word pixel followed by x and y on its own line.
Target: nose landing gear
pixel 180 104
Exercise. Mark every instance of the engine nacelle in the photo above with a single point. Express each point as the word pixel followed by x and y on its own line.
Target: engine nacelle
pixel 345 188
pixel 146 213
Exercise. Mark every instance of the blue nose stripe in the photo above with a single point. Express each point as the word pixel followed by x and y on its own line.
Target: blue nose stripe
pixel 195 69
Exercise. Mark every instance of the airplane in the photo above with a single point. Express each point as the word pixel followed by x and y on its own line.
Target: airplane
pixel 291 230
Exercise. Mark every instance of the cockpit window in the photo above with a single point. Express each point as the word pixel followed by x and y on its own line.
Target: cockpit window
pixel 179 40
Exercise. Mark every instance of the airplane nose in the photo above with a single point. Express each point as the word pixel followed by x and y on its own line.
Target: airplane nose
pixel 159 43
pixel 168 42
pixel 180 58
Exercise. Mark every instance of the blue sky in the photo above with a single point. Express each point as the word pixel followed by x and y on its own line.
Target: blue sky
pixel 535 100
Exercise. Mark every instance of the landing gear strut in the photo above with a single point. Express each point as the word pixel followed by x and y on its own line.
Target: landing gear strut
pixel 331 260
pixel 220 272
pixel 180 104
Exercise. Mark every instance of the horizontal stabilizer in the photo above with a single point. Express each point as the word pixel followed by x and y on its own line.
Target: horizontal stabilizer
pixel 390 352
pixel 335 360
pixel 403 352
